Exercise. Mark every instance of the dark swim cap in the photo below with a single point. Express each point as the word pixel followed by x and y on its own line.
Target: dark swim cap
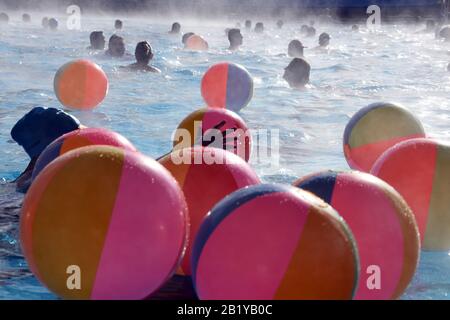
pixel 41 126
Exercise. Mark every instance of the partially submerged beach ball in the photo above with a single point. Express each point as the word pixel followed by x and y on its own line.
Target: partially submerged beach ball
pixel 80 84
pixel 227 85
pixel 206 175
pixel 274 242
pixel 101 222
pixel 383 226
pixel 419 170
pixel 197 43
pixel 217 128
pixel 77 139
pixel 376 128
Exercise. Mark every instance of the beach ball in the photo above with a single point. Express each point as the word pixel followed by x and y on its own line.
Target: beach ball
pixel 197 43
pixel 217 128
pixel 376 128
pixel 80 84
pixel 206 175
pixel 77 139
pixel 419 170
pixel 227 85
pixel 274 242
pixel 101 222
pixel 383 226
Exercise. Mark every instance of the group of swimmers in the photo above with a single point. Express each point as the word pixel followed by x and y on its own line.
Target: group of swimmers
pixel 297 73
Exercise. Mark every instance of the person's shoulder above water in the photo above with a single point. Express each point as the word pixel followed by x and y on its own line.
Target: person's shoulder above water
pixel 144 54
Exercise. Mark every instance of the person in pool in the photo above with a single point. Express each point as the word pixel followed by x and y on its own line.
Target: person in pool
pixel 259 27
pixel 304 29
pixel 280 24
pixel 236 39
pixel 355 28
pixel 143 54
pixel 118 24
pixel 53 24
pixel 311 32
pixel 185 37
pixel 26 18
pixel 248 24
pixel 295 49
pixel 44 22
pixel 4 18
pixel 116 47
pixel 35 131
pixel 324 40
pixel 97 39
pixel 297 73
pixel 176 28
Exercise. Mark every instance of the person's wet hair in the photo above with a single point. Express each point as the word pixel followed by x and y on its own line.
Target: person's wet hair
pixel 186 36
pixel 97 40
pixel 355 27
pixel 26 17
pixel 44 22
pixel 295 49
pixel 143 53
pixel 280 24
pixel 259 27
pixel 4 18
pixel 297 73
pixel 53 24
pixel 116 46
pixel 248 24
pixel 176 28
pixel 235 38
pixel 118 24
pixel 324 39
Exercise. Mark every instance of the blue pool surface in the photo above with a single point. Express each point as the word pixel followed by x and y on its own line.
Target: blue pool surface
pixel 393 64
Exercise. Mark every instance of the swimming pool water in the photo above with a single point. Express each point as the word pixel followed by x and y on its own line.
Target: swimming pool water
pixel 393 64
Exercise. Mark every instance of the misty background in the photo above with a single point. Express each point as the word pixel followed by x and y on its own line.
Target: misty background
pixel 342 9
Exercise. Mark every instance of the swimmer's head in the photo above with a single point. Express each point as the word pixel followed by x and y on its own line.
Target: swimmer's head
pixel 53 24
pixel 297 73
pixel 304 29
pixel 280 24
pixel 445 33
pixel 295 49
pixel 143 53
pixel 248 24
pixel 176 28
pixel 40 127
pixel 235 37
pixel 324 39
pixel 311 32
pixel 118 24
pixel 186 36
pixel 44 22
pixel 355 27
pixel 26 17
pixel 97 40
pixel 4 18
pixel 116 46
pixel 259 27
